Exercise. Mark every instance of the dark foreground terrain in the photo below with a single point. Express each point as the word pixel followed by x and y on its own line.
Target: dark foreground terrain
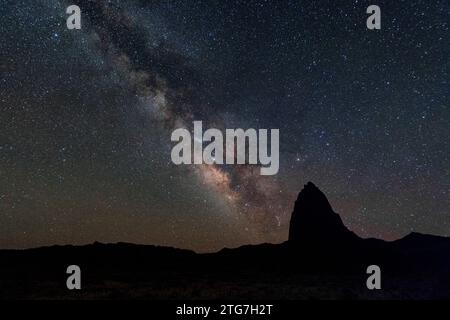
pixel 321 260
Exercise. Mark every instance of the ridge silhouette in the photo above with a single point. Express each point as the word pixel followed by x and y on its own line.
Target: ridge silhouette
pixel 320 259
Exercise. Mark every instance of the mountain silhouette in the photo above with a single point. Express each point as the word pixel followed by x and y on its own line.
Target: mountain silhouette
pixel 321 259
pixel 314 221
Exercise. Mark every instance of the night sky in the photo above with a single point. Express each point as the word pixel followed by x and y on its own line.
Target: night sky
pixel 86 118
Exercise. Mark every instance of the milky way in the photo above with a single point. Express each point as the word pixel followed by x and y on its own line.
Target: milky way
pixel 87 117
